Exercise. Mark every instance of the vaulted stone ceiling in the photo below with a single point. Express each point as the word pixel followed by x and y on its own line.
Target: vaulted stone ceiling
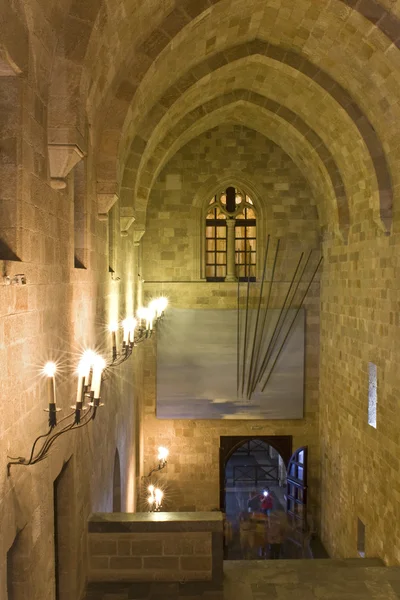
pixel 321 78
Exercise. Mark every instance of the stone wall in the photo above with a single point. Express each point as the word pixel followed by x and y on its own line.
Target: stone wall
pixel 172 264
pixel 180 547
pixel 360 464
pixel 58 313
pixel 228 154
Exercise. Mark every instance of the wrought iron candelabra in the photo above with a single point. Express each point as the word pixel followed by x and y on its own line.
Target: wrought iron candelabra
pixel 92 371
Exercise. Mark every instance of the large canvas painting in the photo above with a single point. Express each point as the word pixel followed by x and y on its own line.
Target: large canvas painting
pixel 216 364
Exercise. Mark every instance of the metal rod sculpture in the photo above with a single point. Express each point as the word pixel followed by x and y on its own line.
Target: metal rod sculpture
pixel 261 338
pixel 275 335
pixel 258 316
pixel 245 325
pixel 254 375
pixel 291 325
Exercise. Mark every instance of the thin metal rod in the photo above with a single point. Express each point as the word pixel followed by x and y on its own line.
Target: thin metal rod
pixel 265 315
pixel 291 325
pixel 258 317
pixel 274 338
pixel 238 338
pixel 245 326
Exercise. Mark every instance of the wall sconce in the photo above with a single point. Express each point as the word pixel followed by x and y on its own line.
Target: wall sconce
pixel 163 454
pixel 155 499
pixel 92 370
pixel 135 331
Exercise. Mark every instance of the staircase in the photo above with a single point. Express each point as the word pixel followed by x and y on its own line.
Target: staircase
pixel 330 579
pixel 321 579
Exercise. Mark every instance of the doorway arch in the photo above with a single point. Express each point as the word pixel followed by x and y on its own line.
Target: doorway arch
pixel 230 444
pixel 117 483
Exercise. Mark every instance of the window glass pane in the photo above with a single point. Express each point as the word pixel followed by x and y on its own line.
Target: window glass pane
pixel 210 258
pixel 240 217
pixel 209 270
pixel 300 457
pixel 238 199
pixel 210 244
pixel 300 473
pixel 239 244
pixel 213 200
pixel 249 200
pixel 221 258
pixel 253 258
pixel 221 232
pixel 223 199
pixel 221 245
pixel 239 232
pixel 221 271
pixel 251 245
pixel 251 232
pixel 250 213
pixel 210 232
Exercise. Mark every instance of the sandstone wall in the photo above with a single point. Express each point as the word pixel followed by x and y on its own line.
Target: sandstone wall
pixel 58 313
pixel 172 267
pixel 359 464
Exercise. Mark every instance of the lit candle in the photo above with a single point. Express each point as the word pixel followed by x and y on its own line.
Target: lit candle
pixel 86 363
pixel 125 325
pixel 142 314
pixel 163 454
pixel 150 318
pixel 49 370
pixel 82 372
pixel 132 331
pixel 158 497
pixel 98 366
pixel 113 327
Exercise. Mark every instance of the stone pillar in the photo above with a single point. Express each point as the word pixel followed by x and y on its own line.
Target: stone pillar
pixel 230 250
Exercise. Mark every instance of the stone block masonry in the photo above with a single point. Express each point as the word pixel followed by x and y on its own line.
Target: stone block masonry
pixel 146 547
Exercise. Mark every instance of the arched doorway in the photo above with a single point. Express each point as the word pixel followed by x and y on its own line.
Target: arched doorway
pixel 253 467
pixel 117 483
pixel 261 480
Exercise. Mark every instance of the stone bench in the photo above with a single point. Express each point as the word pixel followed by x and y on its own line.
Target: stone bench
pixel 180 547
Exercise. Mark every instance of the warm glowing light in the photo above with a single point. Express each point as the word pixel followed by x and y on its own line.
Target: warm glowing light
pixel 158 305
pixel 50 369
pixel 99 365
pixel 150 499
pixel 158 495
pixel 113 327
pixel 163 453
pixel 129 325
pixel 142 312
pixel 151 488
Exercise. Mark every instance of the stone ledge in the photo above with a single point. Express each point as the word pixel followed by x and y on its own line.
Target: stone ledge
pixel 155 522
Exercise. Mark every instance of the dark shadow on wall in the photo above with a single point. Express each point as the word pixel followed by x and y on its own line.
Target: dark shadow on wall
pixel 6 253
pixel 117 484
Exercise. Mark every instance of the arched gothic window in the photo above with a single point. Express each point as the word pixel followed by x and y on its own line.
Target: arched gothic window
pixel 230 246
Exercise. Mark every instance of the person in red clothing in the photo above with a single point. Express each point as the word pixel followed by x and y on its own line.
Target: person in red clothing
pixel 267 502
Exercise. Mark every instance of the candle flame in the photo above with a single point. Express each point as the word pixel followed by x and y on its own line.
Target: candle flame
pixel 50 369
pixel 113 326
pixel 163 453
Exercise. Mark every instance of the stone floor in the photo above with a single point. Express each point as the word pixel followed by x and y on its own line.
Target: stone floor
pixel 354 579
pixel 325 579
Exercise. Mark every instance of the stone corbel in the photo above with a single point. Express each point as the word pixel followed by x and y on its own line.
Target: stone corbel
pixel 126 220
pixel 62 159
pixel 138 232
pixel 106 198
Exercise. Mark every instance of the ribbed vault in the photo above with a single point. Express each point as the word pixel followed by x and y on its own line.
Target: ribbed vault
pixel 274 128
pixel 123 66
pixel 151 97
pixel 295 98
